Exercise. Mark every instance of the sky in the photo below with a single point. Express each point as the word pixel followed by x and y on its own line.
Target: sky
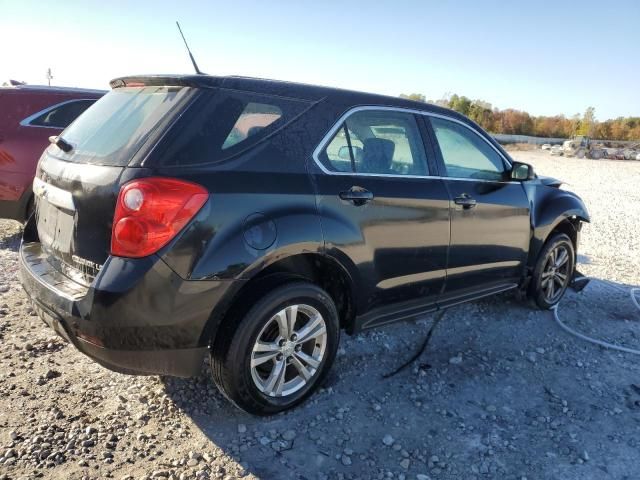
pixel 546 57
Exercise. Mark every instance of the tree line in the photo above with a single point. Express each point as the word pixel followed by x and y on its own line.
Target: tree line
pixel 516 122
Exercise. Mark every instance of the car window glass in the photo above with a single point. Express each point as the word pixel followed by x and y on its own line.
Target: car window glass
pixel 253 118
pixel 62 115
pixel 379 142
pixel 223 123
pixel 337 150
pixel 465 154
pixel 116 126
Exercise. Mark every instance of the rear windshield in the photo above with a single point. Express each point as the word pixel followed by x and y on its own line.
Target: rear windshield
pixel 222 123
pixel 112 130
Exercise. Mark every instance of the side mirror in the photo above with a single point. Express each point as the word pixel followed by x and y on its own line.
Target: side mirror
pixel 522 171
pixel 343 153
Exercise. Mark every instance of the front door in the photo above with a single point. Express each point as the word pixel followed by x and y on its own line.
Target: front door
pixel 382 213
pixel 490 224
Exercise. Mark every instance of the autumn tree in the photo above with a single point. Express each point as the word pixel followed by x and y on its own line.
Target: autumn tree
pixel 516 122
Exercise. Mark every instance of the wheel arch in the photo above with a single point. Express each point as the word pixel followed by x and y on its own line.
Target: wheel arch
pixel 555 211
pixel 567 224
pixel 316 268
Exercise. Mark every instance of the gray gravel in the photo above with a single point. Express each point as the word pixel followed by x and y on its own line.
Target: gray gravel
pixel 501 393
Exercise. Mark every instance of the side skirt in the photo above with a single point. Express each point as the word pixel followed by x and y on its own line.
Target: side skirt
pixel 415 308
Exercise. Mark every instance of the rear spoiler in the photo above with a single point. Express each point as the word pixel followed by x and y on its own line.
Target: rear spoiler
pixel 201 81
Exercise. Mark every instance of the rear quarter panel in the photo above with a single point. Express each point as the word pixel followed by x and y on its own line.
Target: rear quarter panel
pixel 261 209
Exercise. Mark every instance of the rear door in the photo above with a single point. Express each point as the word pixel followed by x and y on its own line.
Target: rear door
pixel 382 210
pixel 490 224
pixel 76 191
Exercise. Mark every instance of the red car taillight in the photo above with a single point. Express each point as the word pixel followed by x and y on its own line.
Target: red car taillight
pixel 150 212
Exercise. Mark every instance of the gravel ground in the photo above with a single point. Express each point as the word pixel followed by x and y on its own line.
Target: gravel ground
pixel 501 393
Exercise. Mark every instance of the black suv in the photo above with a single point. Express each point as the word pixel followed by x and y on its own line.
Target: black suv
pixel 253 220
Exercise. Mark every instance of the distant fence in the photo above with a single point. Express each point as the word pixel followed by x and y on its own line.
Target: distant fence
pixel 506 139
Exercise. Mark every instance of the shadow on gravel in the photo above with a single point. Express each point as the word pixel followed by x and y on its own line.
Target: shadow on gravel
pixel 260 445
pixel 480 401
pixel 10 236
pixel 337 428
pixel 249 441
pixel 602 309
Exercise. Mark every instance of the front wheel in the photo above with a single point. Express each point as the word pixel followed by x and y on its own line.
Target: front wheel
pixel 281 350
pixel 553 271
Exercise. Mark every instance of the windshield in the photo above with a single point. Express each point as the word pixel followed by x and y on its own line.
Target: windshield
pixel 115 127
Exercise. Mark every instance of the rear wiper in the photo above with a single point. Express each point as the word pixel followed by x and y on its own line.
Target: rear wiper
pixel 61 143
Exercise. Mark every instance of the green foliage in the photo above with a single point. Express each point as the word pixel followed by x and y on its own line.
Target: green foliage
pixel 588 122
pixel 460 104
pixel 418 97
pixel 515 122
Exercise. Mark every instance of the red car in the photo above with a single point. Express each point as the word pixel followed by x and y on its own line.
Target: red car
pixel 29 116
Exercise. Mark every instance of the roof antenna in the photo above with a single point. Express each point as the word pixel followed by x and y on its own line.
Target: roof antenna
pixel 193 60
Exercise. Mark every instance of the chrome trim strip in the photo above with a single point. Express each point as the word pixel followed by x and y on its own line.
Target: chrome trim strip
pixel 26 122
pixel 332 131
pixel 411 278
pixel 483 266
pixel 54 195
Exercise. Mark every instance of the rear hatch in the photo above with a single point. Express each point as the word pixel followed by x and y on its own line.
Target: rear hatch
pixel 76 191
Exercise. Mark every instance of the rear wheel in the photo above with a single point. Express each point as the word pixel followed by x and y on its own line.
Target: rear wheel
pixel 28 211
pixel 553 271
pixel 280 351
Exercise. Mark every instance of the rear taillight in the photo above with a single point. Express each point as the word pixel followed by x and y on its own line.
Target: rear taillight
pixel 150 212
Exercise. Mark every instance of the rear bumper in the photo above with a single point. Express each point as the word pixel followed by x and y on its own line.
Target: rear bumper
pixel 137 317
pixel 182 362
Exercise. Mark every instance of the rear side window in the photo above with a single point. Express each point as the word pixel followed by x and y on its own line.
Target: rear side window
pixel 377 142
pixel 116 126
pixel 61 115
pixel 221 123
pixel 254 118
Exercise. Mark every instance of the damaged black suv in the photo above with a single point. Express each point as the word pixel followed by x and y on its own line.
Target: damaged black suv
pixel 252 220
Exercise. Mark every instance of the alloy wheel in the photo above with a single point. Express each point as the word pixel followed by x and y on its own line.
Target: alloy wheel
pixel 288 350
pixel 555 276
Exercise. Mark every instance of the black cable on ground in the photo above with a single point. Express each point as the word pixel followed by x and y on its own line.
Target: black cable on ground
pixel 422 348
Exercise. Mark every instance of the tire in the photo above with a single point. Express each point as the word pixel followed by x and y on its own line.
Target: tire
pixel 540 291
pixel 258 389
pixel 28 211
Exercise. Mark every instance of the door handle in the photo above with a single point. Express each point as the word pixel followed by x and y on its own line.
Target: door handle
pixel 356 195
pixel 465 200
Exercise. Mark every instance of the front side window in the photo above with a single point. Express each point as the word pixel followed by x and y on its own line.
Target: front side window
pixel 377 142
pixel 465 153
pixel 60 116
